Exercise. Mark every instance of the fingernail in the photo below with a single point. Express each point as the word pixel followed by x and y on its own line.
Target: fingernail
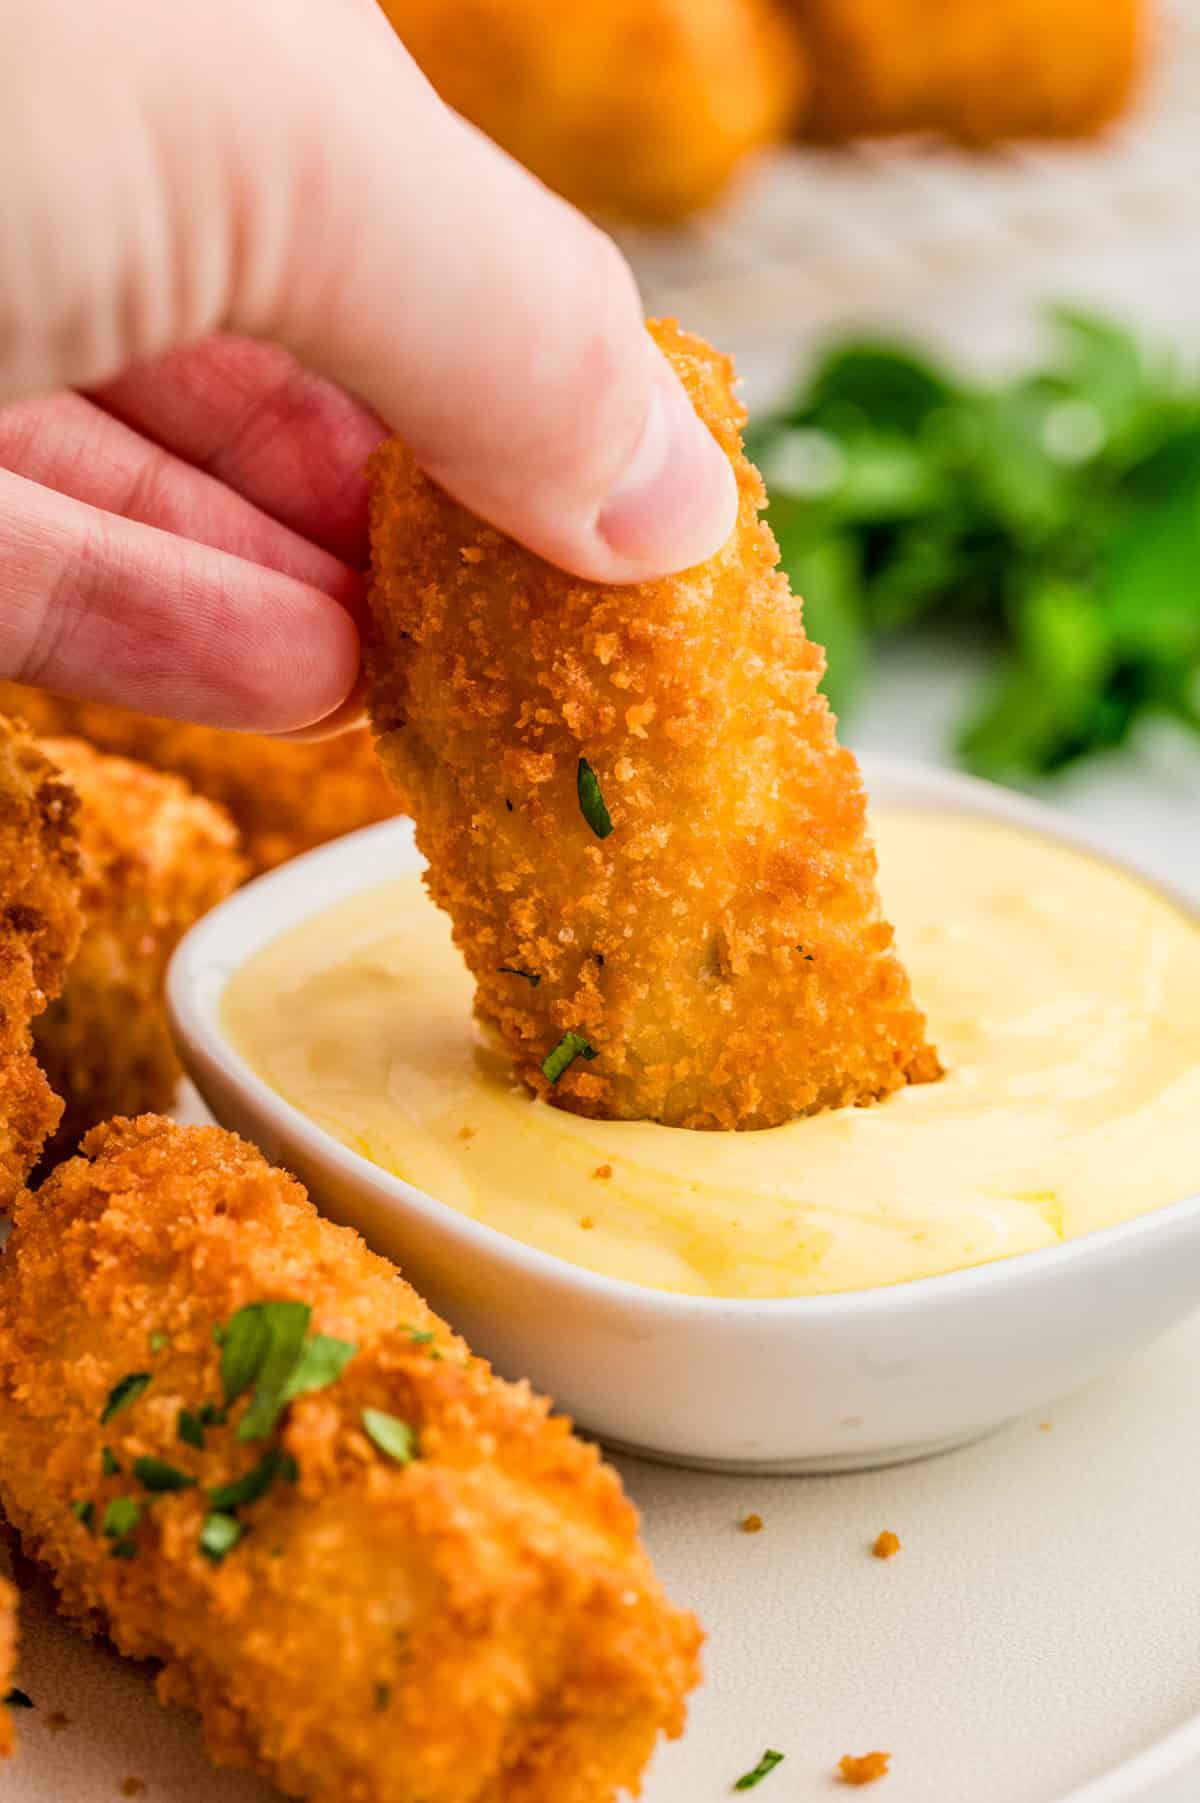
pixel 677 502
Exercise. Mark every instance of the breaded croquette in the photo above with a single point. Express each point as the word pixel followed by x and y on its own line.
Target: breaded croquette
pixel 379 1573
pixel 638 109
pixel 8 1660
pixel 39 932
pixel 284 797
pixel 634 809
pixel 970 69
pixel 153 859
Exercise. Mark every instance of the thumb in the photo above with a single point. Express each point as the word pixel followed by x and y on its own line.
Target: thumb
pixel 495 328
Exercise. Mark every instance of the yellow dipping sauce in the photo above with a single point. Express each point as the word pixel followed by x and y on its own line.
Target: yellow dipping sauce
pixel 1063 996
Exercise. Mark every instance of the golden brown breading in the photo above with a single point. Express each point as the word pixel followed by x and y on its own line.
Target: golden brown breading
pixel 39 931
pixel 479 1625
pixel 154 858
pixel 284 797
pixel 723 952
pixel 640 109
pixel 971 69
pixel 8 1661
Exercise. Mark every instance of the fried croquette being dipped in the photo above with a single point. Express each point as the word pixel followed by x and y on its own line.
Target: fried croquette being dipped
pixel 153 859
pixel 969 68
pixel 638 109
pixel 244 1443
pixel 635 811
pixel 284 797
pixel 39 932
pixel 8 1660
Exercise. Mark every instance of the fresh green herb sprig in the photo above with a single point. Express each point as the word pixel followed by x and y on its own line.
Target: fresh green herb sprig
pixel 1054 516
pixel 562 1056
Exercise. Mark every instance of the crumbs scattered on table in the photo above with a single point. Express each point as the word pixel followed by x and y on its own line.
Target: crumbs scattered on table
pixel 887 1545
pixel 1046 1426
pixel 751 1524
pixel 864 1769
pixel 466 1133
pixel 586 1221
pixel 57 1720
pixel 603 1172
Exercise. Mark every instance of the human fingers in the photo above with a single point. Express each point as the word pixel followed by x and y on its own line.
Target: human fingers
pixel 112 610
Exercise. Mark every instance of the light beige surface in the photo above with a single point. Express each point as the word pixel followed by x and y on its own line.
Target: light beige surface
pixel 1063 995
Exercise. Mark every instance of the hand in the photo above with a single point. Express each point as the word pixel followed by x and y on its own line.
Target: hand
pixel 250 233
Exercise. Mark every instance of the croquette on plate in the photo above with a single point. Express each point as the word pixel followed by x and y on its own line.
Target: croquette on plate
pixel 153 859
pixel 39 933
pixel 970 69
pixel 375 1570
pixel 284 797
pixel 635 811
pixel 640 109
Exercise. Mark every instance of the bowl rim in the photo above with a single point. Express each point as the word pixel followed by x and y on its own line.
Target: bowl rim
pixel 195 1022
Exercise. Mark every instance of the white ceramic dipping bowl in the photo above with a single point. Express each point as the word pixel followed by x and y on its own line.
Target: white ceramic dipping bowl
pixel 821 1383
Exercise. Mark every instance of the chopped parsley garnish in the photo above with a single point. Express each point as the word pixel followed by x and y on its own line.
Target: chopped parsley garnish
pixel 421 1336
pixel 322 1361
pixel 264 1344
pixel 767 1763
pixel 570 1047
pixel 158 1341
pixel 18 1699
pixel 210 1415
pixel 109 1463
pixel 591 801
pixel 219 1535
pixel 121 1517
pixel 123 1549
pixel 514 970
pixel 122 1394
pixel 160 1478
pixel 84 1512
pixel 190 1429
pixel 254 1483
pixel 394 1438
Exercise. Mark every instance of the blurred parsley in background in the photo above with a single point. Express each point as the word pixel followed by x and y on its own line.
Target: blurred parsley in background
pixel 1057 515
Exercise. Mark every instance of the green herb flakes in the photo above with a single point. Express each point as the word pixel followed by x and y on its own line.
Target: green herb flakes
pixel 591 801
pixel 253 1484
pixel 190 1429
pixel 321 1362
pixel 159 1341
pixel 570 1047
pixel 84 1512
pixel 394 1438
pixel 109 1464
pixel 766 1764
pixel 219 1535
pixel 121 1517
pixel 514 970
pixel 160 1478
pixel 124 1393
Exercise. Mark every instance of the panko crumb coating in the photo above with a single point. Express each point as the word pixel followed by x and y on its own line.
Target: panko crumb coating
pixel 8 1661
pixel 970 69
pixel 722 953
pixel 635 109
pixel 284 797
pixel 39 933
pixel 154 857
pixel 477 1625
